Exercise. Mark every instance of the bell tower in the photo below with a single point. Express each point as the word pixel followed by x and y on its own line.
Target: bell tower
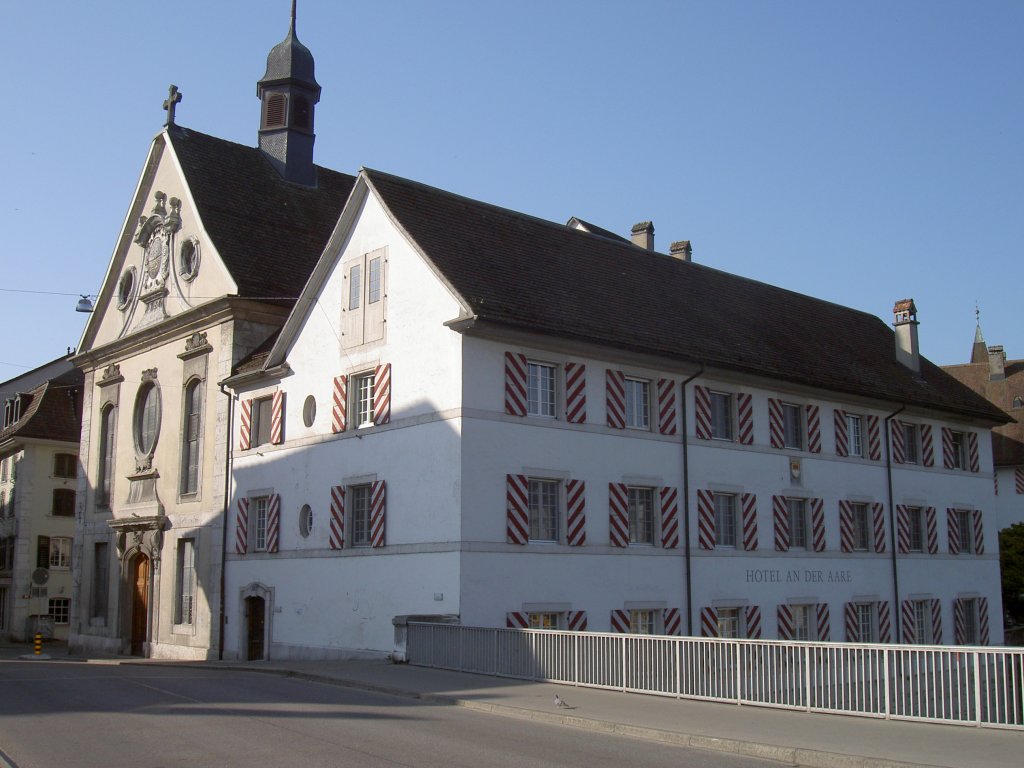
pixel 288 93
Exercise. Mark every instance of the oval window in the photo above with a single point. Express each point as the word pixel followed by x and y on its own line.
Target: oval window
pixel 188 259
pixel 305 521
pixel 309 411
pixel 147 418
pixel 125 288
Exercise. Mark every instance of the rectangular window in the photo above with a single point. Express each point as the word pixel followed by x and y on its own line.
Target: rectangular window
pixel 65 465
pixel 958 442
pixel 911 447
pixel 106 456
pixel 915 525
pixel 354 286
pixel 373 289
pixel 963 524
pixel 60 609
pixel 60 552
pixel 866 623
pixel 544 498
pixel 100 579
pixel 861 527
pixel 184 606
pixel 263 417
pixel 190 435
pixel 6 556
pixel 854 435
pixel 545 620
pixel 3 470
pixel 802 622
pixel 923 621
pixel 63 502
pixel 725 520
pixel 540 390
pixel 729 623
pixel 641 515
pixel 793 426
pixel 970 609
pixel 797 523
pixel 360 495
pixel 721 416
pixel 642 622
pixel 638 394
pixel 262 505
pixel 364 400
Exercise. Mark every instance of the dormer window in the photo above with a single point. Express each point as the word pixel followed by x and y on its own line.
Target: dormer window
pixel 275 110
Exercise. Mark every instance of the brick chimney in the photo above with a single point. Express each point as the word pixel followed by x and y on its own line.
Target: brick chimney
pixel 908 352
pixel 996 363
pixel 682 250
pixel 643 235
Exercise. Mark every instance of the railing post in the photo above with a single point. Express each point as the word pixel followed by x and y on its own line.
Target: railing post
pixel 679 670
pixel 977 688
pixel 739 672
pixel 576 659
pixel 885 686
pixel 623 663
pixel 807 675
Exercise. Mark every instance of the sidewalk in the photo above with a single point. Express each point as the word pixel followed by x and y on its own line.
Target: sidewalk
pixel 795 738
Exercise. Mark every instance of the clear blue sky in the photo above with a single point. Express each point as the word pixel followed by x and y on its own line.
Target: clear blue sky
pixel 858 152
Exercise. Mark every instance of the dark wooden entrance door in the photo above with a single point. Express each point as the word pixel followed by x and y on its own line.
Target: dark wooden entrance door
pixel 255 610
pixel 140 602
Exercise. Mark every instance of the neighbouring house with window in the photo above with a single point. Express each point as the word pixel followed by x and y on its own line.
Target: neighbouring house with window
pixel 1001 381
pixel 38 496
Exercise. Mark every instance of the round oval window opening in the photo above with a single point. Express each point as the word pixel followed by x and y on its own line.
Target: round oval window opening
pixel 147 418
pixel 309 411
pixel 305 521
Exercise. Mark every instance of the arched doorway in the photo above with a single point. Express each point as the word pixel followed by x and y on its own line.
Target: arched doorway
pixel 255 617
pixel 139 583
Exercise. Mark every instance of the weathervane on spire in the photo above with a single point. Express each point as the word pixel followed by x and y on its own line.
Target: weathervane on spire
pixel 174 98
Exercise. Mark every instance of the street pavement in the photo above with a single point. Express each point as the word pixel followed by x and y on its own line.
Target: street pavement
pixel 791 737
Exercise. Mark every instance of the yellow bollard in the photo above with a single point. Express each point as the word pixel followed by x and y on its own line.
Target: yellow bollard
pixel 37 643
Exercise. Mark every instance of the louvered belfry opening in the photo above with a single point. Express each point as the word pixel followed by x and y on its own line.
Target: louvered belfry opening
pixel 275 110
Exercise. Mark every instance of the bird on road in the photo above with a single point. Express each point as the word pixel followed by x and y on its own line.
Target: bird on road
pixel 560 702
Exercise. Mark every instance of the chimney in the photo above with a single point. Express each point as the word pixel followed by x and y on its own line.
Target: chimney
pixel 905 322
pixel 643 235
pixel 682 250
pixel 996 363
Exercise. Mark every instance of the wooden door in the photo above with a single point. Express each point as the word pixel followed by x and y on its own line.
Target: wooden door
pixel 140 603
pixel 255 609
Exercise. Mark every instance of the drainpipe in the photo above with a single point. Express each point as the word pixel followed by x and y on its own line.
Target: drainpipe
pixel 686 508
pixel 896 612
pixel 228 456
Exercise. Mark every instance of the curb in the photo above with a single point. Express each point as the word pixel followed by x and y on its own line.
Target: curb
pixel 794 756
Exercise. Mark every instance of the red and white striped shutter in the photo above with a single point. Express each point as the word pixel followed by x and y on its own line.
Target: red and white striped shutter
pixel 1018 475
pixel 824 622
pixel 517 620
pixel 947 447
pixel 669 517
pixel 874 439
pixel 979 533
pixel 339 406
pixel 517 509
pixel 667 415
pixel 618 515
pixel 842 438
pixel 818 524
pixel 672 621
pixel 927 451
pixel 615 398
pixel 749 501
pixel 972 451
pixel 937 621
pixel 745 414
pixel 959 625
pixel 705 519
pixel 382 394
pixel 884 622
pixel 983 629
pixel 577 621
pixel 337 538
pixel 995 482
pixel 845 526
pixel 852 628
pixel 242 527
pixel 378 510
pixel 903 528
pixel 273 522
pixel 953 531
pixel 776 432
pixel 813 428
pixel 277 418
pixel 878 510
pixel 515 384
pixel 245 433
pixel 753 622
pixel 907 622
pixel 575 393
pixel 702 412
pixel 620 621
pixel 708 622
pixel 781 515
pixel 576 518
pixel 931 523
pixel 899 448
pixel 785 623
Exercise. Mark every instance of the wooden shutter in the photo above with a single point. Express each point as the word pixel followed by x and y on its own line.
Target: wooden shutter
pixel 337 538
pixel 780 513
pixel 242 527
pixel 813 428
pixel 874 439
pixel 577 621
pixel 745 413
pixel 669 517
pixel 382 394
pixel 277 418
pixel 702 412
pixel 245 433
pixel 708 622
pixel 845 526
pixel 979 533
pixel 378 508
pixel 972 451
pixel 273 522
pixel 515 384
pixel 615 399
pixel 776 431
pixel 753 622
pixel 339 406
pixel 618 515
pixel 749 501
pixel 706 532
pixel 576 513
pixel 671 621
pixel 43 552
pixel 878 512
pixel 620 621
pixel 818 524
pixel 517 509
pixel 667 415
pixel 842 437
pixel 575 393
pixel 517 620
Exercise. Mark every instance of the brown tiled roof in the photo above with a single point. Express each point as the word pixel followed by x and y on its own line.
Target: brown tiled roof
pixel 54 411
pixel 269 232
pixel 526 273
pixel 256 359
pixel 1007 440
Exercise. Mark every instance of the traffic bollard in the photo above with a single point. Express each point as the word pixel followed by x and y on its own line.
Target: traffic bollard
pixel 37 643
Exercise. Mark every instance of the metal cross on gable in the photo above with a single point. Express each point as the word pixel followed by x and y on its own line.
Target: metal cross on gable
pixel 173 98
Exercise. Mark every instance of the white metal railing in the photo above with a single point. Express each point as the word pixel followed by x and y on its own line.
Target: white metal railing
pixel 946 684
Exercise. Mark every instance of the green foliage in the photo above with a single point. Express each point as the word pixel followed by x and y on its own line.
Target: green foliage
pixel 1011 563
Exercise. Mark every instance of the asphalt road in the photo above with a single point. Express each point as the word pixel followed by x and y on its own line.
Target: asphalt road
pixel 61 713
